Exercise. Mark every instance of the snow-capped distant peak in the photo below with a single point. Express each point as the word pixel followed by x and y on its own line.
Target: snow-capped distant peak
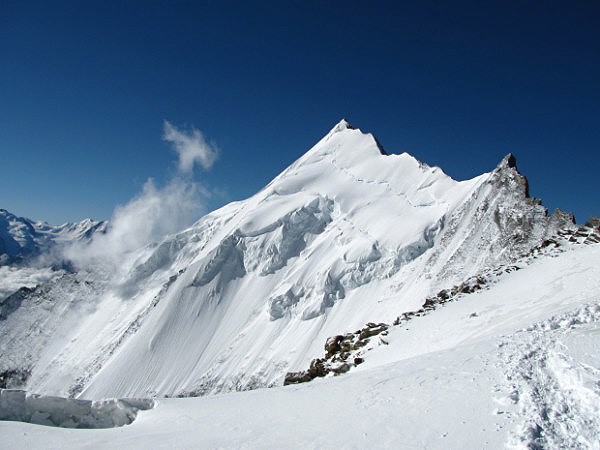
pixel 22 238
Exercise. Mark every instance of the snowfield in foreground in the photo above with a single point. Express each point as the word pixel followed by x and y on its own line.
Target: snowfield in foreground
pixel 514 365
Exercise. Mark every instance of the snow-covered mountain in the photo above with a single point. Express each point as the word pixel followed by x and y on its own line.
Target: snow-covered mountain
pixel 344 236
pixel 22 239
pixel 513 365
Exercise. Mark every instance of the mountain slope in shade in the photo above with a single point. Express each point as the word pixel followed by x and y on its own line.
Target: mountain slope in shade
pixel 346 235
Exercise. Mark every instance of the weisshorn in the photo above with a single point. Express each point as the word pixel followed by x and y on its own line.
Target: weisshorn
pixel 345 236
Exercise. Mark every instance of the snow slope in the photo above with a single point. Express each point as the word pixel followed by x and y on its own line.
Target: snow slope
pixel 346 235
pixel 522 372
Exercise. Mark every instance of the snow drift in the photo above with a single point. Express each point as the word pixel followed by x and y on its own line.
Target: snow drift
pixel 21 406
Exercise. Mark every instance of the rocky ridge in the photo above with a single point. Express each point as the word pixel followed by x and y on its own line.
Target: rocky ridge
pixel 342 352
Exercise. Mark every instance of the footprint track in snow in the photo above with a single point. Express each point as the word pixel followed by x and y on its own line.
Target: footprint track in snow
pixel 557 407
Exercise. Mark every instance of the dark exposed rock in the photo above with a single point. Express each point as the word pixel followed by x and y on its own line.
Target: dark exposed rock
pixel 347 345
pixel 372 331
pixel 333 344
pixel 338 349
pixel 592 239
pixel 297 377
pixel 345 367
pixel 360 343
pixel 11 379
pixel 429 303
pixel 510 161
pixel 317 368
pixel 548 243
pixel 585 234
pixel 593 222
pixel 11 303
pixel 343 356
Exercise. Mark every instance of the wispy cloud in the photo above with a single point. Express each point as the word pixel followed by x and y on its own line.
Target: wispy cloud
pixel 150 215
pixel 191 147
pixel 156 211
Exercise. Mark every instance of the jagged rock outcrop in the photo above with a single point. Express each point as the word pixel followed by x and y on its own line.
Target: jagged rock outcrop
pixel 498 223
pixel 342 352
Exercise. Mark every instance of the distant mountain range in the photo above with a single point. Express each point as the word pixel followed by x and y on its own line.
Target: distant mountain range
pixel 22 240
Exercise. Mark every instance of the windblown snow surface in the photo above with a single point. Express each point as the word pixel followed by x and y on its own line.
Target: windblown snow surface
pixel 344 236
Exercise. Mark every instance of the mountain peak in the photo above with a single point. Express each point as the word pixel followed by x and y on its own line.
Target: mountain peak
pixel 344 125
pixel 341 237
pixel 341 126
pixel 507 170
pixel 509 162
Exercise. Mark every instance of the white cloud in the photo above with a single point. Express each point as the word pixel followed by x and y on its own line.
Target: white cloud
pixel 191 147
pixel 152 214
pixel 156 211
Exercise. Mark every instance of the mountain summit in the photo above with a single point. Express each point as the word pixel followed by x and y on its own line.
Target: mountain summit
pixel 344 236
pixel 341 126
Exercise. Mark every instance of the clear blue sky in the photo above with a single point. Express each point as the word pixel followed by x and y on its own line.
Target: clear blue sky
pixel 85 87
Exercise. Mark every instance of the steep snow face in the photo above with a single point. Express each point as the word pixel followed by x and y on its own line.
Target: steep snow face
pixel 22 239
pixel 345 235
pixel 512 366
